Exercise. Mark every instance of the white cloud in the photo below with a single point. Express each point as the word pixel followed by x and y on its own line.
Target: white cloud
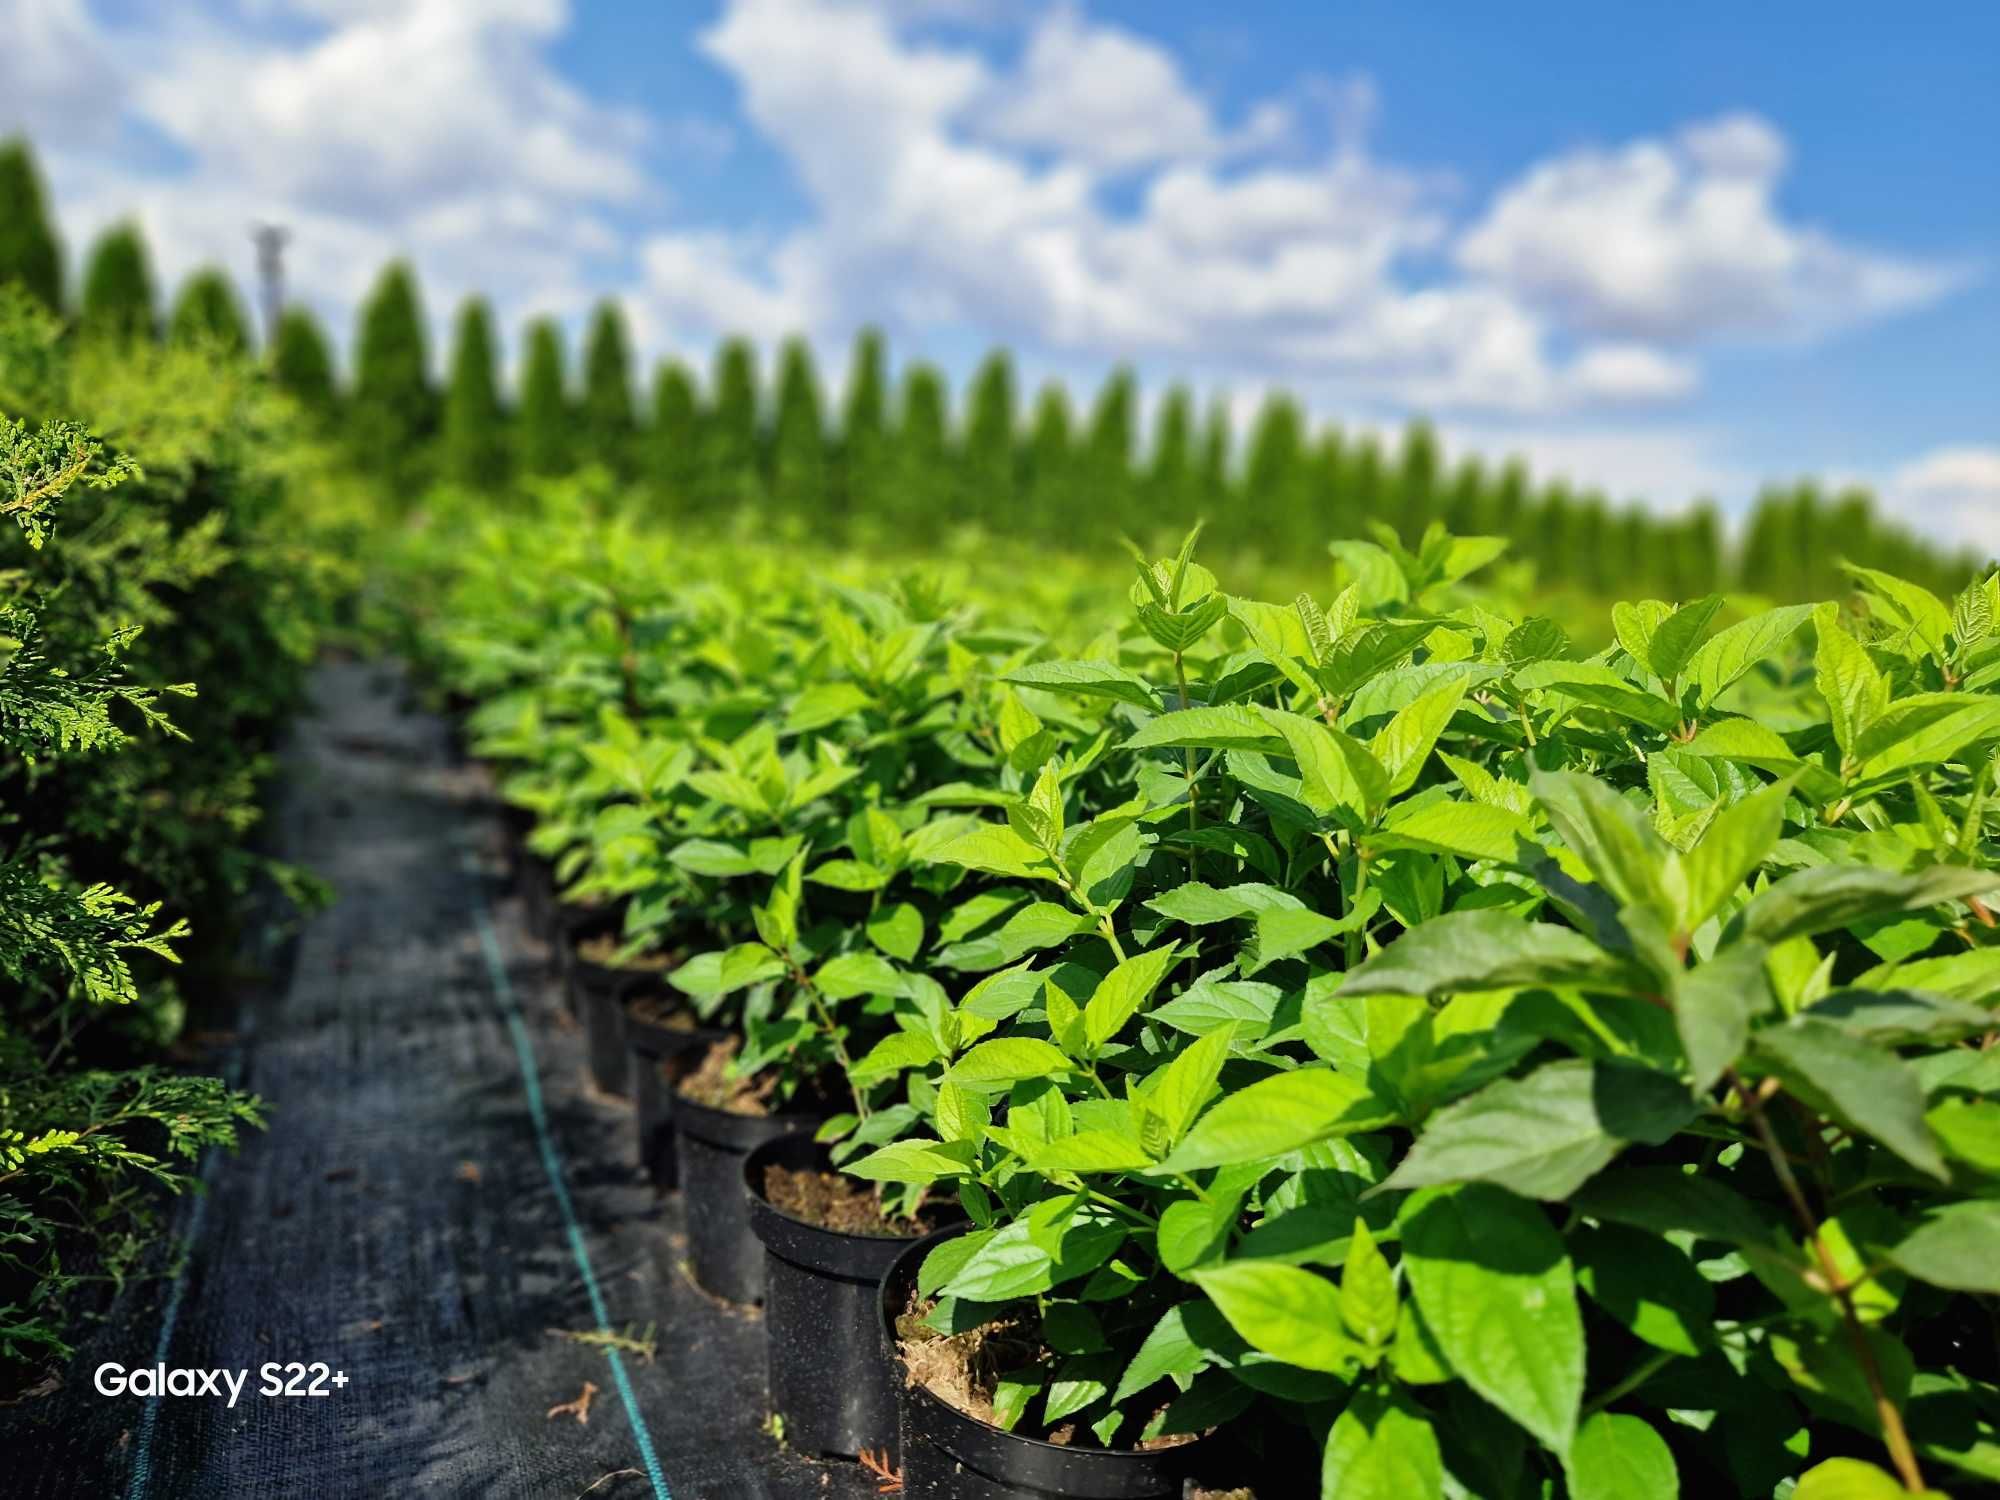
pixel 1099 95
pixel 1681 240
pixel 1953 492
pixel 52 69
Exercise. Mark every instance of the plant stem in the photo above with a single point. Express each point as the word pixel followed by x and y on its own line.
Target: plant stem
pixel 1639 1374
pixel 1894 1436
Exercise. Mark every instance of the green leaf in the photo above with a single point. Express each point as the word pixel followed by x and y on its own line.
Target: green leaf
pixel 1368 1300
pixel 1667 1200
pixel 1008 1060
pixel 1855 1479
pixel 1906 606
pixel 1124 992
pixel 1406 741
pixel 1485 950
pixel 911 1160
pixel 1275 1115
pixel 1469 830
pixel 1674 642
pixel 1199 905
pixel 1857 1083
pixel 1285 932
pixel 1740 839
pixel 854 974
pixel 1087 679
pixel 1038 925
pixel 1728 654
pixel 1957 1246
pixel 1289 1313
pixel 1854 688
pixel 1827 897
pixel 1221 728
pixel 898 930
pixel 1170 1351
pixel 997 850
pixel 1188 1082
pixel 1337 773
pixel 1609 834
pixel 1382 1447
pixel 1544 1135
pixel 1621 1457
pixel 1597 686
pixel 1645 1283
pixel 1499 1296
pixel 1925 730
pixel 1714 1006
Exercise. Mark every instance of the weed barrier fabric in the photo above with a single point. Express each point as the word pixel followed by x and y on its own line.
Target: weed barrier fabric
pixel 420 1214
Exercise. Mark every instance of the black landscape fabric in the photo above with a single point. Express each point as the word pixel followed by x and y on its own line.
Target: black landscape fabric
pixel 398 1221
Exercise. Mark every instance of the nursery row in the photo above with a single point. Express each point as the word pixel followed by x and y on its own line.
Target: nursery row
pixel 145 555
pixel 1366 1038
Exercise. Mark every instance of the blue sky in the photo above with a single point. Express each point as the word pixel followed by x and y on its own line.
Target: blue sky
pixel 1663 252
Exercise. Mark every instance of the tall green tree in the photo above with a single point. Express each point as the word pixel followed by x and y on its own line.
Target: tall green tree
pixel 1366 488
pixel 864 426
pixel 302 363
pixel 29 252
pixel 1107 448
pixel 394 411
pixel 923 485
pixel 1050 462
pixel 675 436
pixel 544 430
pixel 1325 487
pixel 989 438
pixel 476 452
pixel 608 418
pixel 1212 478
pixel 208 312
pixel 731 428
pixel 1415 502
pixel 1467 510
pixel 1274 488
pixel 798 435
pixel 1170 476
pixel 119 301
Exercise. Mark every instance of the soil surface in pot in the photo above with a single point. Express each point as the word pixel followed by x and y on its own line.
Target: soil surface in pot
pixel 663 1011
pixel 710 1083
pixel 839 1203
pixel 963 1369
pixel 604 948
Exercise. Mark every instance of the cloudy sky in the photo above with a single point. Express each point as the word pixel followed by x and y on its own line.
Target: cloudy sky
pixel 1744 243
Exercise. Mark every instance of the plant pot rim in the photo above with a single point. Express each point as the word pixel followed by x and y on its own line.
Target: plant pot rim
pixel 734 1132
pixel 653 1041
pixel 937 1409
pixel 815 1247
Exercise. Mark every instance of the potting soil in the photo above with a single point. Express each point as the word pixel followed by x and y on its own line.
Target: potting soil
pixel 441 1212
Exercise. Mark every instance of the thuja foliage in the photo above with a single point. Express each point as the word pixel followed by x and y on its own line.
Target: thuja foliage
pixel 475 434
pixel 142 554
pixel 206 312
pixel 118 296
pixel 30 255
pixel 1370 1023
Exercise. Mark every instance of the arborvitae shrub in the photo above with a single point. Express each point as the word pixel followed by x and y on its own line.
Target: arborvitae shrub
pixel 989 438
pixel 674 438
pixel 922 446
pixel 119 301
pixel 729 458
pixel 1051 456
pixel 798 436
pixel 864 425
pixel 1170 484
pixel 544 427
pixel 608 414
pixel 394 413
pixel 1273 476
pixel 208 311
pixel 1109 446
pixel 302 363
pixel 475 428
pixel 29 252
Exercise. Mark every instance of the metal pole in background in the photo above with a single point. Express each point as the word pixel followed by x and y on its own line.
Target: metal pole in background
pixel 271 240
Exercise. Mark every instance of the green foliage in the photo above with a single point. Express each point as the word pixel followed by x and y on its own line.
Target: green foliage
pixel 302 364
pixel 546 445
pixel 675 435
pixel 118 296
pixel 1370 1018
pixel 148 549
pixel 731 428
pixel 989 463
pixel 207 311
pixel 798 438
pixel 393 413
pixel 607 413
pixel 29 253
pixel 476 451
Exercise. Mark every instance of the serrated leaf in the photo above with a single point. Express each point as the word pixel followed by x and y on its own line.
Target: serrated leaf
pixel 1275 1115
pixel 1289 1313
pixel 1382 1447
pixel 1620 1457
pixel 1857 1083
pixel 1088 679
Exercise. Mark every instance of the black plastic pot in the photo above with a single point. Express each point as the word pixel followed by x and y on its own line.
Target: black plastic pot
pixel 597 998
pixel 831 1378
pixel 948 1455
pixel 725 1257
pixel 661 1056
